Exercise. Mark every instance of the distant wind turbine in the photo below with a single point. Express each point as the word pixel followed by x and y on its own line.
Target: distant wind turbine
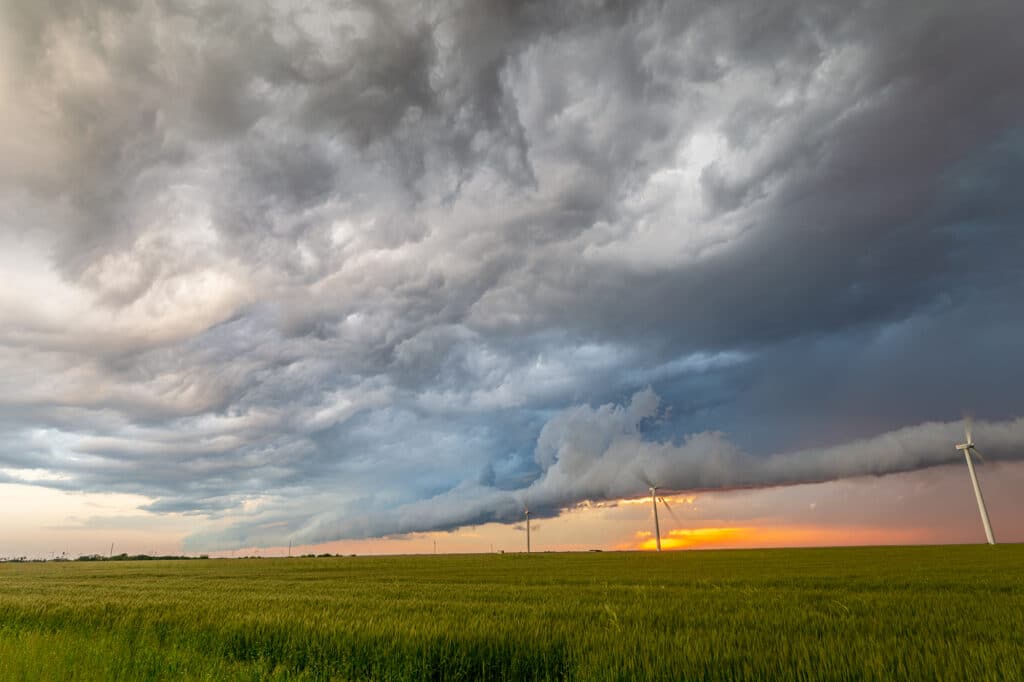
pixel 654 505
pixel 657 528
pixel 655 499
pixel 526 511
pixel 968 448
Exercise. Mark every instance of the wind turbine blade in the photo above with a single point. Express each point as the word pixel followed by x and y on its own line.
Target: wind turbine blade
pixel 978 455
pixel 646 479
pixel 670 511
pixel 968 427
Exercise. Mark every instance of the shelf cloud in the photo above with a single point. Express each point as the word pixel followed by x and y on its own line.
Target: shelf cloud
pixel 590 454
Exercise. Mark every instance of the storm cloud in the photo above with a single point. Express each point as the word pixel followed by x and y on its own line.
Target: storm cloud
pixel 345 271
pixel 586 454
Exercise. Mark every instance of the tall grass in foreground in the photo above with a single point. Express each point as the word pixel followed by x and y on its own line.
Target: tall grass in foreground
pixel 935 613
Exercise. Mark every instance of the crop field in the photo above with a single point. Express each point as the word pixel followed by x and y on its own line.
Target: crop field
pixel 929 613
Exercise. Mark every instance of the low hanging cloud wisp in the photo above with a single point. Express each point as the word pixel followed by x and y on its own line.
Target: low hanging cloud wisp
pixel 600 454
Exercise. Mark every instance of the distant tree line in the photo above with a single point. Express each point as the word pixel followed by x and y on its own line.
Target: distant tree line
pixel 100 557
pixel 138 557
pixel 144 557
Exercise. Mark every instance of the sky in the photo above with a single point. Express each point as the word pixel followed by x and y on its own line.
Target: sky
pixel 373 277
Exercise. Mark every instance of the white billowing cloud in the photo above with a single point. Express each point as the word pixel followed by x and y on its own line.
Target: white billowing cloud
pixel 338 406
pixel 572 438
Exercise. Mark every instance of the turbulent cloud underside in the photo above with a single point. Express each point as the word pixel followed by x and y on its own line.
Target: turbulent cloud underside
pixel 349 270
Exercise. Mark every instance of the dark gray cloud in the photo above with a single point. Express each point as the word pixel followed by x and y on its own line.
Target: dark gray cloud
pixel 312 259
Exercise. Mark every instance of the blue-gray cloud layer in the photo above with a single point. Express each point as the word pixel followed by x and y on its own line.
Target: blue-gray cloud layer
pixel 355 261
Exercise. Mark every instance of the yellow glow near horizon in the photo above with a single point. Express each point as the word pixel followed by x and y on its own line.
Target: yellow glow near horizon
pixel 772 536
pixel 680 538
pixel 680 499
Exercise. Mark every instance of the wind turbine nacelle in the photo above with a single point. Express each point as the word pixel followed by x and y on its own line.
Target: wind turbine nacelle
pixel 964 446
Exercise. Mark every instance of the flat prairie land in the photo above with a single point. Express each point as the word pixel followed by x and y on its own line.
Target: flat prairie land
pixel 883 613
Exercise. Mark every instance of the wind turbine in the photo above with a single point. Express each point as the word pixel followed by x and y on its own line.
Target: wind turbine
pixel 968 448
pixel 526 511
pixel 655 499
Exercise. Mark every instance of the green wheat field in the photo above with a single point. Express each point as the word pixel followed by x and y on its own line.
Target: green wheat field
pixel 928 613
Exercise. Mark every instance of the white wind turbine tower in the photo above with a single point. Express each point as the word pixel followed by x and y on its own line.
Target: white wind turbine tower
pixel 969 449
pixel 526 511
pixel 654 504
pixel 657 528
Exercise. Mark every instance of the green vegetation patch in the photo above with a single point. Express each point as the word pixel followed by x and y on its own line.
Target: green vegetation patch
pixel 935 613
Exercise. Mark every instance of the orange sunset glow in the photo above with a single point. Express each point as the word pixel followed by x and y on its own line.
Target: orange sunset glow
pixel 780 536
pixel 693 538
